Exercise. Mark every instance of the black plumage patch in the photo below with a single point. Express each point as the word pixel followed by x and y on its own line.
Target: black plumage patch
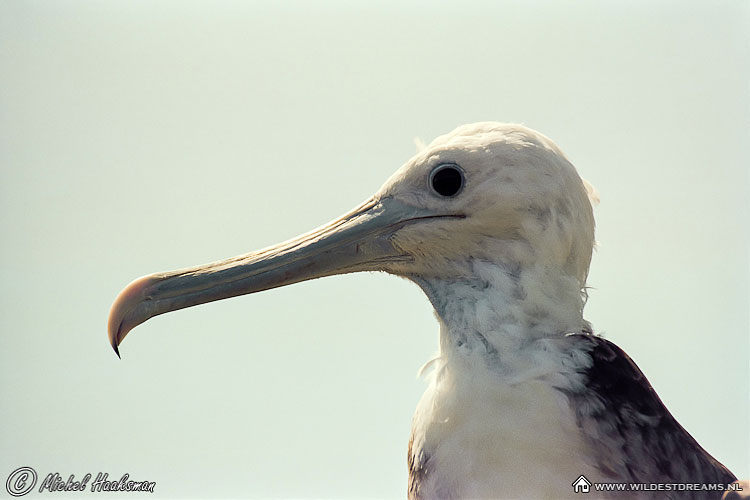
pixel 417 471
pixel 633 436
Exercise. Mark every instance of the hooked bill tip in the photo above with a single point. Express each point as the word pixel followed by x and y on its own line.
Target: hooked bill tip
pixel 119 322
pixel 117 351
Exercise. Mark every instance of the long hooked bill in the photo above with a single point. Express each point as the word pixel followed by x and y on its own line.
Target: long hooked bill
pixel 357 241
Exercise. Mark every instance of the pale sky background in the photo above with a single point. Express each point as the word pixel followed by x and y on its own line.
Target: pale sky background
pixel 138 137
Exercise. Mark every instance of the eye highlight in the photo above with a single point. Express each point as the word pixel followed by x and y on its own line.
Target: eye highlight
pixel 447 180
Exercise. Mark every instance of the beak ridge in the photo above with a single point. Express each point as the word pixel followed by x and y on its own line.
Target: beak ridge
pixel 358 241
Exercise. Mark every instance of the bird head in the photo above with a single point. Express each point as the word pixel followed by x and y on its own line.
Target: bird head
pixel 493 192
pixel 485 192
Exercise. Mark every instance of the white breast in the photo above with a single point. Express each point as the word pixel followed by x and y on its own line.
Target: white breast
pixel 485 437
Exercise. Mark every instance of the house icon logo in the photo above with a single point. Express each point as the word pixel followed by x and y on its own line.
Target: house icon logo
pixel 581 485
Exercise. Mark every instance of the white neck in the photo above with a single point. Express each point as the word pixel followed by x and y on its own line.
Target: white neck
pixel 496 310
pixel 492 420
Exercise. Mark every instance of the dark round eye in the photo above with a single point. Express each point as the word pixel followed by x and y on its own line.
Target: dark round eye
pixel 447 179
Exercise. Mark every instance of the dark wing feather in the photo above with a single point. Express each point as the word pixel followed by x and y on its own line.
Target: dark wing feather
pixel 633 436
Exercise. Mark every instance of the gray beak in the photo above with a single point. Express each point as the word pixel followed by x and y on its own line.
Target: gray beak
pixel 358 241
